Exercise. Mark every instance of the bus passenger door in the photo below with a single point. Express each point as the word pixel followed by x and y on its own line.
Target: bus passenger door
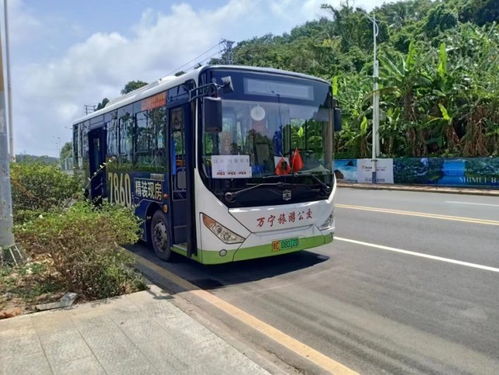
pixel 97 157
pixel 178 175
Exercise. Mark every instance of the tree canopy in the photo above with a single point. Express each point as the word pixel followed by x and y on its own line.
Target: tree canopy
pixel 66 151
pixel 132 85
pixel 129 87
pixel 439 73
pixel 102 104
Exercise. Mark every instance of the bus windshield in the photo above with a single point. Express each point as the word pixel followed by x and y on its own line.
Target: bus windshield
pixel 261 139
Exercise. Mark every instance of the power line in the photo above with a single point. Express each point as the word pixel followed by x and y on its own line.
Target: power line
pixel 225 51
pixel 194 59
pixel 202 61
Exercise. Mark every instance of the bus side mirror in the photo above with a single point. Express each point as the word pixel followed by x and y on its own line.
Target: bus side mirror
pixel 337 119
pixel 227 86
pixel 212 114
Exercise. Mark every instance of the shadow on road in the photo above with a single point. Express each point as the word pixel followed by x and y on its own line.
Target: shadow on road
pixel 218 276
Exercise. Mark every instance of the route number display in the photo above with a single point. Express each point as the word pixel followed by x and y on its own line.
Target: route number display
pixel 119 187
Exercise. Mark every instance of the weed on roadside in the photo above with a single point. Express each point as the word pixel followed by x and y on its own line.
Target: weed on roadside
pixel 84 246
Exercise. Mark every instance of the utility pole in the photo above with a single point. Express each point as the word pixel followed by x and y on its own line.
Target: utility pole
pixel 228 51
pixel 375 131
pixel 9 87
pixel 89 108
pixel 9 253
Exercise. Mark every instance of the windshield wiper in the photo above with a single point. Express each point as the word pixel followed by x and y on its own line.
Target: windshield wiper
pixel 230 196
pixel 325 186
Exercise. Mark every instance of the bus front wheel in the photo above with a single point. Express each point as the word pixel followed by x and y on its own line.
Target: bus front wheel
pixel 160 239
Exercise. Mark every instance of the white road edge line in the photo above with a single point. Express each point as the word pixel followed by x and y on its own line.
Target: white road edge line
pixel 473 203
pixel 421 255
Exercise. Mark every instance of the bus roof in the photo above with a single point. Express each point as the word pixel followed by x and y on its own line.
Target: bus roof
pixel 167 82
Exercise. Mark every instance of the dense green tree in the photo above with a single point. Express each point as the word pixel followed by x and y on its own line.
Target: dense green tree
pixel 102 104
pixel 132 85
pixel 129 87
pixel 30 159
pixel 66 151
pixel 439 73
pixel 480 12
pixel 440 18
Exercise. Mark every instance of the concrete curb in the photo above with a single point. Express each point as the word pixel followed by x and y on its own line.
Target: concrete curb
pixel 428 189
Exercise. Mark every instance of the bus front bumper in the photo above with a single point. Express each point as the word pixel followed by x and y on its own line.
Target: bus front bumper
pixel 266 245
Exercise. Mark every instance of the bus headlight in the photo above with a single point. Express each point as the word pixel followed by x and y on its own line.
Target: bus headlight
pixel 224 234
pixel 328 223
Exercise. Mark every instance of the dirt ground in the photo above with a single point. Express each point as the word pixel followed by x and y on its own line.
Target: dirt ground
pixel 23 287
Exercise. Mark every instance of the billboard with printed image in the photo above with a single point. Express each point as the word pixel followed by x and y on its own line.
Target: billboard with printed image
pixel 448 172
pixel 346 170
pixel 466 172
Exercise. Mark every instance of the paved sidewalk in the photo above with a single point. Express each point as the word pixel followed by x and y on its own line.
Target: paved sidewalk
pixel 141 333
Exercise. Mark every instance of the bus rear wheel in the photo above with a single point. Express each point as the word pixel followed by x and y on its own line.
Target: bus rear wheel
pixel 160 239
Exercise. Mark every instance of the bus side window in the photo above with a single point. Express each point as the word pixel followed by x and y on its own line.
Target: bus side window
pixel 178 136
pixel 84 142
pixel 112 138
pixel 76 145
pixel 157 118
pixel 150 145
pixel 125 138
pixel 143 140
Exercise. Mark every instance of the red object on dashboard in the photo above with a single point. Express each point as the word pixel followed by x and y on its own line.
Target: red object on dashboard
pixel 297 161
pixel 282 167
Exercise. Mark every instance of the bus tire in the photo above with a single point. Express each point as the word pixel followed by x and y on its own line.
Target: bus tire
pixel 160 239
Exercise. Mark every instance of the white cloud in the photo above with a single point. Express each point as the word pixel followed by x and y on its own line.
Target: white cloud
pixel 289 9
pixel 49 95
pixel 23 25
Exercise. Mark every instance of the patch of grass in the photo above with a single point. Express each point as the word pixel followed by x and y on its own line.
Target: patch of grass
pixel 27 285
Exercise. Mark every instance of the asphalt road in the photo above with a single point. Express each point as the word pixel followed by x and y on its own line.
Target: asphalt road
pixel 410 285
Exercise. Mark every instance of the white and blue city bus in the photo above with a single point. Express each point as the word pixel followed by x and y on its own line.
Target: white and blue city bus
pixel 223 163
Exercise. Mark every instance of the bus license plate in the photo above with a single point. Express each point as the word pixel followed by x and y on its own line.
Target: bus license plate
pixel 284 244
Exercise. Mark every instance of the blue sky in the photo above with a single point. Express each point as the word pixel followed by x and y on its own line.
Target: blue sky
pixel 65 54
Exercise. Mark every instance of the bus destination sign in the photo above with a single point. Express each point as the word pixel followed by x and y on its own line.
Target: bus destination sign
pixel 158 100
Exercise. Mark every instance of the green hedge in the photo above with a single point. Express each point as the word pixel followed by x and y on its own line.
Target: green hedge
pixel 38 188
pixel 83 243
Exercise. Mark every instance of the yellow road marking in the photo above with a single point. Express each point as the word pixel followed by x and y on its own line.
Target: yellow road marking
pixel 303 350
pixel 420 214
